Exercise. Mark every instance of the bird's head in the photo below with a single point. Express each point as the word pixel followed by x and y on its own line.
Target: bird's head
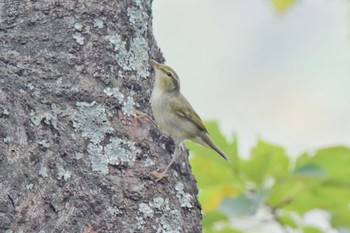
pixel 166 78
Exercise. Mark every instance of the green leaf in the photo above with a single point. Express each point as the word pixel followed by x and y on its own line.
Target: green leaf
pixel 239 206
pixel 286 219
pixel 310 170
pixel 215 180
pixel 282 5
pixel 335 161
pixel 340 217
pixel 310 229
pixel 210 197
pixel 216 217
pixel 207 170
pixel 322 197
pixel 213 217
pixel 227 230
pixel 321 180
pixel 283 193
pixel 266 160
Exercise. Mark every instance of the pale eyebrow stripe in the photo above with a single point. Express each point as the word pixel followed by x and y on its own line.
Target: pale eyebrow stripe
pixel 172 77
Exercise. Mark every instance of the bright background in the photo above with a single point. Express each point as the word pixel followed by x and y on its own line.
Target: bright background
pixel 284 77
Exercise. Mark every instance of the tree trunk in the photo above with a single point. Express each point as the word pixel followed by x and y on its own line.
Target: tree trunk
pixel 73 156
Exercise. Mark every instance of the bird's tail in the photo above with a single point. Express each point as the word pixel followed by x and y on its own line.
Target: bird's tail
pixel 205 140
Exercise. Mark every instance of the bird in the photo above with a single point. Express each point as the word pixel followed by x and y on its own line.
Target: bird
pixel 175 115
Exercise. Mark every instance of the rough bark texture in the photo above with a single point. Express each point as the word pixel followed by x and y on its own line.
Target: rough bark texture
pixel 73 157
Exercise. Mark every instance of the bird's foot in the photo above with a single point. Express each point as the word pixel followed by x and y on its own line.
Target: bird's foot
pixel 159 176
pixel 143 115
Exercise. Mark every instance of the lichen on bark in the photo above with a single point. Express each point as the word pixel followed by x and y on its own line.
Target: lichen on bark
pixel 72 154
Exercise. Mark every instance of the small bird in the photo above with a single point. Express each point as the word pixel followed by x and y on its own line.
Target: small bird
pixel 175 115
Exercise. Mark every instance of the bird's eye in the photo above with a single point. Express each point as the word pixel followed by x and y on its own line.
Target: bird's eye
pixel 169 74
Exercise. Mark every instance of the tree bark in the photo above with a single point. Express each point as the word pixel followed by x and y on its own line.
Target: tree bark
pixel 73 156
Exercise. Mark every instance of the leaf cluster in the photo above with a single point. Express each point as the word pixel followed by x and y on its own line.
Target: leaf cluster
pixel 269 178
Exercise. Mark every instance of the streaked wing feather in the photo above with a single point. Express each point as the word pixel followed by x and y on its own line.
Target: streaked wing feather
pixel 182 108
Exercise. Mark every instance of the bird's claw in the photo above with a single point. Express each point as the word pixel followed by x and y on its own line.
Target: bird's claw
pixel 140 115
pixel 159 176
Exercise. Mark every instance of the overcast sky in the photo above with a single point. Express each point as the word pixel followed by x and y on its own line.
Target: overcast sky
pixel 282 77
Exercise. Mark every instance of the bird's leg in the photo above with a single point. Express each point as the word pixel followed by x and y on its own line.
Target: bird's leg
pixel 140 115
pixel 163 174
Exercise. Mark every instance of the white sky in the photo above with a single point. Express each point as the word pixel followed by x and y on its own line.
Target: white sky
pixel 282 77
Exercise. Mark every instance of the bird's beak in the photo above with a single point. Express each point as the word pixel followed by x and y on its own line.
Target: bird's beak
pixel 154 64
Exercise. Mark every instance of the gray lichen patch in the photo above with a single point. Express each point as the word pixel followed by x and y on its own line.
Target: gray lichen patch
pixel 37 117
pixel 45 144
pixel 14 231
pixel 136 58
pixel 49 117
pixel 30 86
pixel 121 152
pixel 62 173
pixel 184 198
pixel 116 152
pixel 113 210
pixel 160 203
pixel 137 187
pixel 138 53
pixel 148 162
pixel 91 121
pixel 127 103
pixel 98 23
pixel 128 107
pixel 170 222
pixel 121 54
pixel 115 93
pixel 78 26
pixel 7 139
pixel 146 210
pixel 99 161
pixel 78 38
pixel 140 222
pixel 29 186
pixel 43 171
pixel 4 111
pixel 138 17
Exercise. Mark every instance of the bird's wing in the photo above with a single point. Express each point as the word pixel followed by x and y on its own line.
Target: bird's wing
pixel 182 108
